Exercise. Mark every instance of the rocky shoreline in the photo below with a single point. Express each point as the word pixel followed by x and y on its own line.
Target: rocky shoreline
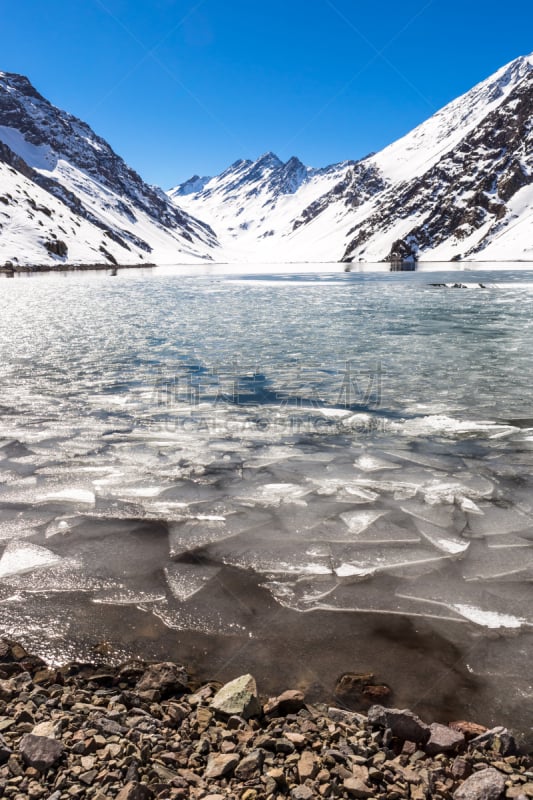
pixel 14 269
pixel 142 731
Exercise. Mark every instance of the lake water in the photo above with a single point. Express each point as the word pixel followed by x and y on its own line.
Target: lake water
pixel 298 473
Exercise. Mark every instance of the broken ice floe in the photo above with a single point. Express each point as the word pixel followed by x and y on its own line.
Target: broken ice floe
pixel 186 580
pixel 20 557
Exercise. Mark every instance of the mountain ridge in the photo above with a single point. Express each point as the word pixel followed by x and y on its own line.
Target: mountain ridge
pixel 401 202
pixel 90 200
pixel 457 187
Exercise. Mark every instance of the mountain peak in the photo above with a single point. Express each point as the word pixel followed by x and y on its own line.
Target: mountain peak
pixel 21 83
pixel 70 173
pixel 190 186
pixel 269 159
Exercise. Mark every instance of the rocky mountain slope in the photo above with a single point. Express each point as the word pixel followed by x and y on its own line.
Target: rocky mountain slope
pixel 457 187
pixel 65 195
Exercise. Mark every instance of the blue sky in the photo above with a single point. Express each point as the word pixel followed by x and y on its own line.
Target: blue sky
pixel 188 86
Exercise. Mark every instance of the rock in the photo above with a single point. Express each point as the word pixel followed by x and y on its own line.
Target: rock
pixel 289 702
pixel 356 788
pixel 279 778
pixel 40 752
pixel 250 765
pixel 220 765
pixel 238 697
pixel 307 766
pixel 5 750
pixel 461 768
pixel 468 729
pixel 488 784
pixel 109 727
pixel 302 793
pixel 135 791
pixel 284 746
pixel 48 729
pixel 443 740
pixel 374 692
pixel 499 740
pixel 402 722
pixel 7 691
pixel 359 689
pixel 166 678
pixel 346 717
pixel 57 247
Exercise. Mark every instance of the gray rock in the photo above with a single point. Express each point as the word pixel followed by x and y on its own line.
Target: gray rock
pixel 238 697
pixel 109 727
pixel 220 765
pixel 40 752
pixel 401 722
pixel 346 717
pixel 166 678
pixel 250 765
pixel 443 740
pixel 488 784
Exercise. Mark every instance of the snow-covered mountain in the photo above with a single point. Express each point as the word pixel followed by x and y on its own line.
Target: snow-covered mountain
pixel 253 204
pixel 66 196
pixel 458 186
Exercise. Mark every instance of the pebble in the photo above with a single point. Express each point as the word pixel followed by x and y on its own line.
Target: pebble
pixel 143 732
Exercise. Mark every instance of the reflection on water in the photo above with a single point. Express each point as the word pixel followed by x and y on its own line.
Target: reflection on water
pixel 337 460
pixel 403 267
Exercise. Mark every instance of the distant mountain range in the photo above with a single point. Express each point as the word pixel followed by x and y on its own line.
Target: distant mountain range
pixel 460 186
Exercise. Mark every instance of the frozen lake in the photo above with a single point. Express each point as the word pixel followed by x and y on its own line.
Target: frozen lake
pixel 299 473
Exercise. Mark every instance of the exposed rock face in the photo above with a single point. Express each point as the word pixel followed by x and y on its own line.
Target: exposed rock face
pixel 469 189
pixel 359 690
pixel 57 248
pixel 453 188
pixel 361 182
pixel 82 184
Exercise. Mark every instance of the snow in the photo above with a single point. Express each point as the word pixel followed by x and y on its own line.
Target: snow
pixel 37 156
pixel 415 153
pixel 259 210
pixel 255 222
pixel 113 203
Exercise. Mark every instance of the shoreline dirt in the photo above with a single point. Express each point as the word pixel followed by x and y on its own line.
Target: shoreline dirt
pixel 140 731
